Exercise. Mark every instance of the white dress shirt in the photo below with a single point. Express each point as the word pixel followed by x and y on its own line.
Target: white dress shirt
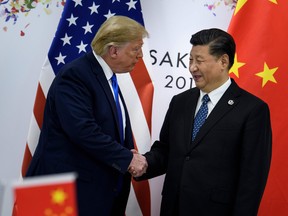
pixel 214 96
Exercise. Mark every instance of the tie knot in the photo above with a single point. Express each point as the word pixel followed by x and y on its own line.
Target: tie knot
pixel 114 80
pixel 205 98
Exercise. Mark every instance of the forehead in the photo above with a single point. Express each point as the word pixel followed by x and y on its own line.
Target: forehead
pixel 135 43
pixel 199 51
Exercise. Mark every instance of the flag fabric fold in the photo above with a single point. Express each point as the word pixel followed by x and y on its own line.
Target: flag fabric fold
pixel 78 24
pixel 259 28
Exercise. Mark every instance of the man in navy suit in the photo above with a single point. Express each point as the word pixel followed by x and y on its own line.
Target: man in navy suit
pixel 223 170
pixel 81 131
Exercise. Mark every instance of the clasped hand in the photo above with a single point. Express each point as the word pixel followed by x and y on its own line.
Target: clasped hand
pixel 138 165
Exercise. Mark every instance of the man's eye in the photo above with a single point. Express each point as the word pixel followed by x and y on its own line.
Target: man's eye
pixel 137 49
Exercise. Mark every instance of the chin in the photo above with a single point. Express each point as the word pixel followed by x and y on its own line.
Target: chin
pixel 131 69
pixel 198 85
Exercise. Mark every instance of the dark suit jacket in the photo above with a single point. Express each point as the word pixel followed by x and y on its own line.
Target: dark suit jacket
pixel 223 172
pixel 80 134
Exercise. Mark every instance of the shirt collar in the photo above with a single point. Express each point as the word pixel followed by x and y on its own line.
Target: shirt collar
pixel 107 70
pixel 217 93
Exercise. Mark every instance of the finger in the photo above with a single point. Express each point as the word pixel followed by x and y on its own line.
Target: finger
pixel 134 151
pixel 131 169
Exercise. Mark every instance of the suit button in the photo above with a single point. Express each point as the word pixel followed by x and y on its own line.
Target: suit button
pixel 187 158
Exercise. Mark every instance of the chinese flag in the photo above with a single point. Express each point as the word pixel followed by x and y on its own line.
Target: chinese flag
pixel 48 196
pixel 260 29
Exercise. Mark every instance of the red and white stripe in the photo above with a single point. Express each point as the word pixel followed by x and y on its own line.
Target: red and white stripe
pixel 46 77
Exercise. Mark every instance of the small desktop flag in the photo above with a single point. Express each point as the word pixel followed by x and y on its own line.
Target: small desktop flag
pixel 49 195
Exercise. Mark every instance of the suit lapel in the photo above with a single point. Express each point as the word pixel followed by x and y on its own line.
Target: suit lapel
pixel 227 102
pixel 97 69
pixel 128 130
pixel 189 113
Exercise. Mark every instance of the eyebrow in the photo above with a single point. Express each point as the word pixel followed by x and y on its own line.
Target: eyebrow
pixel 199 57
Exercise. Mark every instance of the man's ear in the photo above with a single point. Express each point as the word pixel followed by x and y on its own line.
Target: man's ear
pixel 224 60
pixel 113 51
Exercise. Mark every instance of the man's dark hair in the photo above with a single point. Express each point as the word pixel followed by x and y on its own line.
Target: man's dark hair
pixel 219 42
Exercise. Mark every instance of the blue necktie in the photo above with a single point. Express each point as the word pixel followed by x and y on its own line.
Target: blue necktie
pixel 200 116
pixel 120 119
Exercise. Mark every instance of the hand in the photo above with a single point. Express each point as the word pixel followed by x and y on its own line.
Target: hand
pixel 138 165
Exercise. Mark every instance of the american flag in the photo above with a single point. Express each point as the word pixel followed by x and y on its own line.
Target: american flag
pixel 79 22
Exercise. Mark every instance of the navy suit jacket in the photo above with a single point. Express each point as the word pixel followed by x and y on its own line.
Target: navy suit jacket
pixel 80 134
pixel 223 172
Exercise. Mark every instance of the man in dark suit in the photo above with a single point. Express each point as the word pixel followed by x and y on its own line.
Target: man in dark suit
pixel 222 171
pixel 81 129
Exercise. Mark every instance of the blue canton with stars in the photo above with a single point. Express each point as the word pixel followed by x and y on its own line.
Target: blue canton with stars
pixel 79 23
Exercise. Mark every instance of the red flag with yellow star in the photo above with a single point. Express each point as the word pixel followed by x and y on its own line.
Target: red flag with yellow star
pixel 259 28
pixel 53 195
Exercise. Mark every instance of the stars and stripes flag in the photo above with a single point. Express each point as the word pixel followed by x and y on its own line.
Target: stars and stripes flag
pixel 260 31
pixel 79 22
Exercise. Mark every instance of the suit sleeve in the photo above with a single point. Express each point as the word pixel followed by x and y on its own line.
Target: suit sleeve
pixel 254 161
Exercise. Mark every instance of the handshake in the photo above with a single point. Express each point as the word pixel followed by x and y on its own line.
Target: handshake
pixel 138 165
